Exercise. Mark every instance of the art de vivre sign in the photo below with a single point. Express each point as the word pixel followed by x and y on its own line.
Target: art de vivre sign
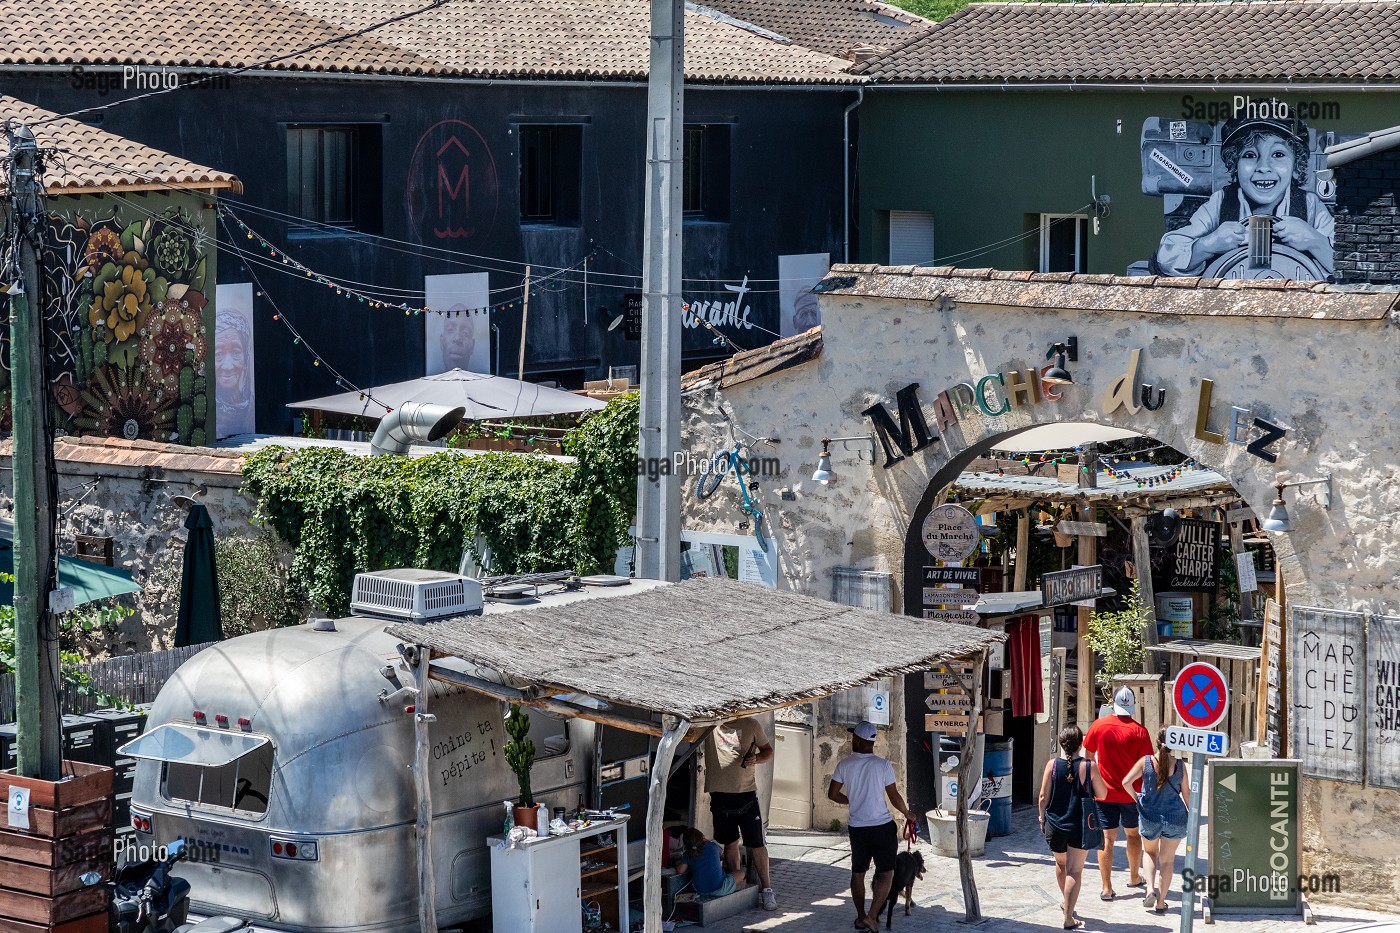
pixel 996 394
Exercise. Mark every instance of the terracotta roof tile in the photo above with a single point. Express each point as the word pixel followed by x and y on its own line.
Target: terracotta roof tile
pixel 760 361
pixel 1195 296
pixel 836 27
pixel 91 159
pixel 1205 40
pixel 476 38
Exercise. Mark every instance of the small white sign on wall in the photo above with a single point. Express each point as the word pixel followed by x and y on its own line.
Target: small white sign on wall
pixel 18 798
pixel 1244 565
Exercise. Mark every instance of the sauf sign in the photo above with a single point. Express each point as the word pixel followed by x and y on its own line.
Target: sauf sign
pixel 911 429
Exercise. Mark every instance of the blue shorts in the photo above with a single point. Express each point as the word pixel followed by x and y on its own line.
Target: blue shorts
pixel 1112 815
pixel 1152 829
pixel 728 887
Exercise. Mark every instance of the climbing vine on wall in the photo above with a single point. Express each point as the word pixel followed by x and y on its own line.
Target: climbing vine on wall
pixel 344 514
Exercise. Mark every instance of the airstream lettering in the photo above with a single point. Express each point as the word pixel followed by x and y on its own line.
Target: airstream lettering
pixel 310 799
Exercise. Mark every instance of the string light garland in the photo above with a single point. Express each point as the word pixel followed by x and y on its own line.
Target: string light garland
pixel 1158 479
pixel 364 296
pixel 317 360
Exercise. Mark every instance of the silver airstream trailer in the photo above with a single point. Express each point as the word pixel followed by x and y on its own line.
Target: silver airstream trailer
pixel 283 759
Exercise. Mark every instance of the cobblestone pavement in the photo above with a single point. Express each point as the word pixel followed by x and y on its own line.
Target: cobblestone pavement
pixel 1015 882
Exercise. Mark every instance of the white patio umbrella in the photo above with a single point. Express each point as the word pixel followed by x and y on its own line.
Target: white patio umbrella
pixel 485 397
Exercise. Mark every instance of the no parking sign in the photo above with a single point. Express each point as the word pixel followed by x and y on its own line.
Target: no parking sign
pixel 1201 695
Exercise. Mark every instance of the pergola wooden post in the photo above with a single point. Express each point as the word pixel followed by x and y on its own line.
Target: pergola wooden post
pixel 673 730
pixel 972 905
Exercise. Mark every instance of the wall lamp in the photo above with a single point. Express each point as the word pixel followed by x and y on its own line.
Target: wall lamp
pixel 1278 514
pixel 824 474
pixel 1064 351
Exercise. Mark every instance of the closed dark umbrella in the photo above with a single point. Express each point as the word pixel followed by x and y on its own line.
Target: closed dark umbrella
pixel 199 620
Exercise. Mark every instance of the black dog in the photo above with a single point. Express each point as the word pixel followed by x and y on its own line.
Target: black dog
pixel 908 868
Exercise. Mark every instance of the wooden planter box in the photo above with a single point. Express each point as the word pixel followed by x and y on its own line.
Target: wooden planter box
pixel 69 833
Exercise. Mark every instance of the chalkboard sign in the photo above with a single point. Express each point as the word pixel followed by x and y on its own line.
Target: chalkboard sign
pixel 1255 835
pixel 1191 563
pixel 1329 681
pixel 1383 694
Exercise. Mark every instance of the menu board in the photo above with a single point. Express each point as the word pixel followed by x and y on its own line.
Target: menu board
pixel 1383 696
pixel 1328 674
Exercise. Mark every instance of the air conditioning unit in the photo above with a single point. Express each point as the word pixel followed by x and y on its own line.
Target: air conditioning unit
pixel 415 595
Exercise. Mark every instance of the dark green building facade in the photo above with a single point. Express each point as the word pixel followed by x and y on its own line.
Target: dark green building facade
pixel 1008 178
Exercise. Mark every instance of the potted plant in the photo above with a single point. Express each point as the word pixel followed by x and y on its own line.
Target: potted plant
pixel 520 755
pixel 1117 639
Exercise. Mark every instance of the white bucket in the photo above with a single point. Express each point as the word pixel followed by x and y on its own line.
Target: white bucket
pixel 943 832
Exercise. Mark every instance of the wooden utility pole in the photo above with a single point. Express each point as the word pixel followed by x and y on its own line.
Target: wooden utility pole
pixel 524 323
pixel 37 683
pixel 1142 565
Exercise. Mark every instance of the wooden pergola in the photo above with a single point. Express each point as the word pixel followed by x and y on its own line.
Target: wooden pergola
pixel 697 654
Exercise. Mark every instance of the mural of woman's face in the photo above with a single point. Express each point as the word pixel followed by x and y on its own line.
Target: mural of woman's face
pixel 230 360
pixel 1264 170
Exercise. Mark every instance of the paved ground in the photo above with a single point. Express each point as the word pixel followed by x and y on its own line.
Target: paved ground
pixel 1016 885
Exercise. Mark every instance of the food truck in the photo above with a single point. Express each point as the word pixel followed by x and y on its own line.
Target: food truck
pixel 283 759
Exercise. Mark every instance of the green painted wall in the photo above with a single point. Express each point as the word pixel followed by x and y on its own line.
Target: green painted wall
pixel 982 161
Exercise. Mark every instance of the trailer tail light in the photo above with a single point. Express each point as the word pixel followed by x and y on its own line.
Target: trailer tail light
pixel 300 850
pixel 199 715
pixel 140 822
pixel 222 720
pixel 245 723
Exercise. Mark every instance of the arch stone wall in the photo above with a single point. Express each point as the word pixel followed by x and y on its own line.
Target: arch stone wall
pixel 1320 362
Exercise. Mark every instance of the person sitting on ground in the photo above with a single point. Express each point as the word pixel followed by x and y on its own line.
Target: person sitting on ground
pixel 701 858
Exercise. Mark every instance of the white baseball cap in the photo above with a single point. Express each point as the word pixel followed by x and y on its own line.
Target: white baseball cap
pixel 1124 702
pixel 863 730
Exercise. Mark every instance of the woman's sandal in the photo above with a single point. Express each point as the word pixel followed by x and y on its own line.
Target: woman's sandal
pixel 1077 925
pixel 1161 908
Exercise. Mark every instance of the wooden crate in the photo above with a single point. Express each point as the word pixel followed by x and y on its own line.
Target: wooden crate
pixel 92 923
pixel 69 833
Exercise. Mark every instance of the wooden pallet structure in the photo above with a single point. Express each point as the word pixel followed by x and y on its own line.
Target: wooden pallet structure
pixel 69 833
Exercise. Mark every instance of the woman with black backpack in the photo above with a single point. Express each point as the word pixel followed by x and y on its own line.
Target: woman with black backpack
pixel 1068 823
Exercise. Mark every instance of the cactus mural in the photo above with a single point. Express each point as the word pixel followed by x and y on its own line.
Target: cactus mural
pixel 127 300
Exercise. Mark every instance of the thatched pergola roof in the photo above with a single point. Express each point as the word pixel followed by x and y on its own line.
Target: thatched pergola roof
pixel 703 650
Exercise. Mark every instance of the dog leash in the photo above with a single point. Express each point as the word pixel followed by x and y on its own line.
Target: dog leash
pixel 911 835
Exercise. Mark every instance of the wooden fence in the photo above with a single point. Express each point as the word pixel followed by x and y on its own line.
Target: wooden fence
pixel 133 678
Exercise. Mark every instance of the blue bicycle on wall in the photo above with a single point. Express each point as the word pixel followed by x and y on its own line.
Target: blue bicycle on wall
pixel 737 460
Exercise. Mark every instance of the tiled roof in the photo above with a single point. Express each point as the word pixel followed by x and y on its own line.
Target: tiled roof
pixel 475 38
pixel 1262 40
pixel 94 160
pixel 112 453
pixel 760 361
pixel 836 27
pixel 1091 292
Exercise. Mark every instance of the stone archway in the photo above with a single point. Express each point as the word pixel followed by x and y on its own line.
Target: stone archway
pixel 1254 380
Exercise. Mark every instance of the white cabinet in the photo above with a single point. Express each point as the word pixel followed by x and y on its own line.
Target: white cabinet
pixel 541 885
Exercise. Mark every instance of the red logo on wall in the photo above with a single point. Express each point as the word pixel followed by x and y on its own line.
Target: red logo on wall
pixel 452 187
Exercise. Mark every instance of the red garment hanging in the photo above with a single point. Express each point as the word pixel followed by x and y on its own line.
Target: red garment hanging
pixel 1023 650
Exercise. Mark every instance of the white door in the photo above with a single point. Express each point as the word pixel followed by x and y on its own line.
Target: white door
pixel 792 778
pixel 554 881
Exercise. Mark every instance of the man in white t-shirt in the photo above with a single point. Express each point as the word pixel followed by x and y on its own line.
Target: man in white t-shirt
pixel 862 782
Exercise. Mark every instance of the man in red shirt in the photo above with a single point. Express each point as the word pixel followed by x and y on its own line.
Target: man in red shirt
pixel 1118 742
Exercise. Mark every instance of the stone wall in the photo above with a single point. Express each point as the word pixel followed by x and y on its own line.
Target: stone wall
pixel 1368 220
pixel 126 490
pixel 1320 362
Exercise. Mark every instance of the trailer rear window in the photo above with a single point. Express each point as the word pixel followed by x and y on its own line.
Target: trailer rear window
pixel 240 785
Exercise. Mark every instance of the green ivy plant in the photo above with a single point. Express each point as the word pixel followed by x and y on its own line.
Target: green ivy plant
pixel 520 752
pixel 344 514
pixel 1116 638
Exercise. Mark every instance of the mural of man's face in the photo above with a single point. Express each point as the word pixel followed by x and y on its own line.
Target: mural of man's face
pixel 458 342
pixel 1264 170
pixel 229 359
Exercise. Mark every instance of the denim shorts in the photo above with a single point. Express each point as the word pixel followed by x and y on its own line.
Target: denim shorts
pixel 1151 829
pixel 728 887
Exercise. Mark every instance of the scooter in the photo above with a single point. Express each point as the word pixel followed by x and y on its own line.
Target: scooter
pixel 146 898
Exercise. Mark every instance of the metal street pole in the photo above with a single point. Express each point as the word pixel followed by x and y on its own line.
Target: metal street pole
pixel 659 499
pixel 40 742
pixel 1193 837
